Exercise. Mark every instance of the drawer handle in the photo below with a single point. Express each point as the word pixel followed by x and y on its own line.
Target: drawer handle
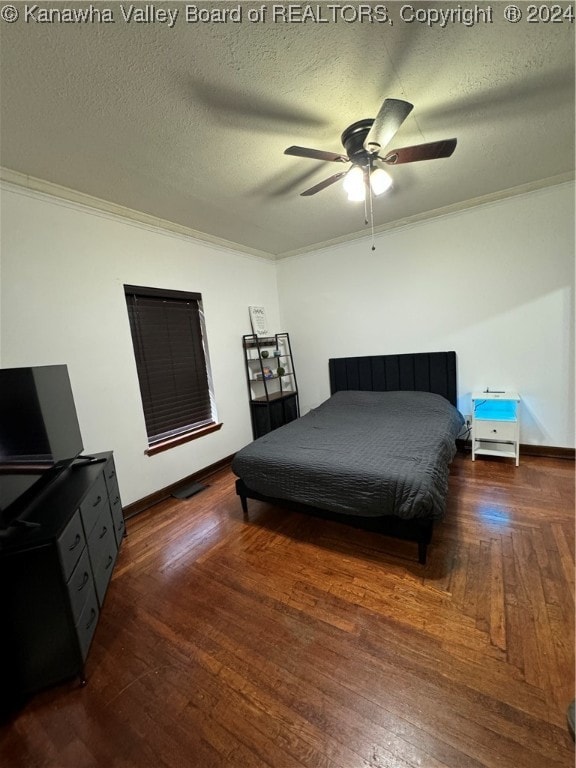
pixel 84 581
pixel 98 500
pixel 111 474
pixel 91 619
pixel 104 532
pixel 75 543
pixel 109 563
pixel 116 500
pixel 121 525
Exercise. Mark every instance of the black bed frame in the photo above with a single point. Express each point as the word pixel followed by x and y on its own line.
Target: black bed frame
pixel 425 372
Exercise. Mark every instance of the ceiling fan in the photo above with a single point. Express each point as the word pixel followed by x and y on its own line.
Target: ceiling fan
pixel 363 141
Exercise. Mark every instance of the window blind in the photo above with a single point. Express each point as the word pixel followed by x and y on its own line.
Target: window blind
pixel 171 361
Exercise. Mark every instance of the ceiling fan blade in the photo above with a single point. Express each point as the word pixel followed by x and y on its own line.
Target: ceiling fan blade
pixel 431 151
pixel 392 114
pixel 316 154
pixel 323 184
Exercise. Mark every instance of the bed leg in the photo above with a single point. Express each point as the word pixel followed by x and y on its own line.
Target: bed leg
pixel 241 491
pixel 244 502
pixel 422 549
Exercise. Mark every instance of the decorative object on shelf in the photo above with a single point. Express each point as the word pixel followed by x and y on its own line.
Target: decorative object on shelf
pixel 258 321
pixel 272 391
pixel 265 373
pixel 496 424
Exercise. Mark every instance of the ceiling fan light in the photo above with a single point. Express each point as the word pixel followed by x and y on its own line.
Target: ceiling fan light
pixel 357 196
pixel 380 181
pixel 354 184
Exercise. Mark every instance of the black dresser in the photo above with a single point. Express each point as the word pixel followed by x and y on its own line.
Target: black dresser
pixel 54 574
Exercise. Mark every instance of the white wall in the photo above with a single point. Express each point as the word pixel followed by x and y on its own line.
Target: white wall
pixel 62 301
pixel 494 283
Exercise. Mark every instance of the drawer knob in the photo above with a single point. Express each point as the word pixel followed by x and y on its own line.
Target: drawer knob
pixel 75 543
pixel 98 500
pixel 104 532
pixel 109 563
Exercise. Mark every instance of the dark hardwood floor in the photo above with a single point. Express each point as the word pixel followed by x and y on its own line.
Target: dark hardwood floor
pixel 283 641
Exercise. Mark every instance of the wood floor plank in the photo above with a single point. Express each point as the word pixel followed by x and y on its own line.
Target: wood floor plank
pixel 284 641
pixel 497 608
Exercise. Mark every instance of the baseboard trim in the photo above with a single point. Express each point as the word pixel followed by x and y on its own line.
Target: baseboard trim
pixel 547 451
pixel 165 493
pixel 527 449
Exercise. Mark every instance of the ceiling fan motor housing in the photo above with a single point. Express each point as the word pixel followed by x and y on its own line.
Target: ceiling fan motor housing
pixel 353 141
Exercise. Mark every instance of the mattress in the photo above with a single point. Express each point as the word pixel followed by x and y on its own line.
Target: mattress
pixel 360 453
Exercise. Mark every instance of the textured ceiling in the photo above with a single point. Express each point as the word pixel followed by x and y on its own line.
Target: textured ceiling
pixel 189 123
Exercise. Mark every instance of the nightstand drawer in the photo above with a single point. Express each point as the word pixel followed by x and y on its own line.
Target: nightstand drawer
pixel 495 430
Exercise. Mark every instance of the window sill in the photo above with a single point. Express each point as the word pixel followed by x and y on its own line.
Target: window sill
pixel 173 442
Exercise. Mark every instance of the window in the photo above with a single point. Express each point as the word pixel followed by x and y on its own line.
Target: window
pixel 173 366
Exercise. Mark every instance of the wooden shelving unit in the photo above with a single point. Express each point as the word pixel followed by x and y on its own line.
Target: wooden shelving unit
pixel 271 379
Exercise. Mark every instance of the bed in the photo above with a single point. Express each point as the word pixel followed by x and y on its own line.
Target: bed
pixel 376 454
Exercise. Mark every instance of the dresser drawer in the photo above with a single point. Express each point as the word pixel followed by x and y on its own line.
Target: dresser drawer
pixel 101 538
pixel 80 585
pixel 103 570
pixel 86 625
pixel 103 550
pixel 114 498
pixel 110 476
pixel 495 430
pixel 96 500
pixel 70 544
pixel 119 524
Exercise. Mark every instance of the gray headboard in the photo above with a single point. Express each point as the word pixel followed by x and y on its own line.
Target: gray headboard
pixel 423 371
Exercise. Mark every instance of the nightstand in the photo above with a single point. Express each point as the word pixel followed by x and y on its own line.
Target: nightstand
pixel 495 425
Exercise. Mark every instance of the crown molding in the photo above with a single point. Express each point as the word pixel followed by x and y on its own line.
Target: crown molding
pixel 35 186
pixel 39 187
pixel 436 213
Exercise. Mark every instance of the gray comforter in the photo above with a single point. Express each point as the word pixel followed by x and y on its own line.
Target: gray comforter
pixel 362 453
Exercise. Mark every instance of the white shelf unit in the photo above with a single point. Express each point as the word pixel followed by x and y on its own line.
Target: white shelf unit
pixel 496 425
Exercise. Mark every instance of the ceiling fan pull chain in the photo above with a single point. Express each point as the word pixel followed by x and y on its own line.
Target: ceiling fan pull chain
pixel 371 208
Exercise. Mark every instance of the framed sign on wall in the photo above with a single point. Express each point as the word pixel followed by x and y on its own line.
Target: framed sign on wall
pixel 258 321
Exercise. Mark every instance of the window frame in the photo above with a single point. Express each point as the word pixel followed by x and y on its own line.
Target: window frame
pixel 163 441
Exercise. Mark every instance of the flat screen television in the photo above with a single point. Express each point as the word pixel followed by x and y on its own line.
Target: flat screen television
pixel 39 433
